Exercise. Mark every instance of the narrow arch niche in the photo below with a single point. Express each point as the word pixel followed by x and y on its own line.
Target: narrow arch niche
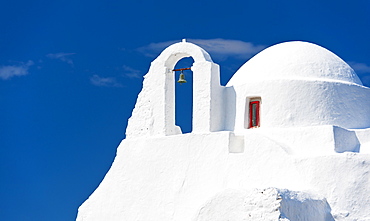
pixel 252 112
pixel 184 96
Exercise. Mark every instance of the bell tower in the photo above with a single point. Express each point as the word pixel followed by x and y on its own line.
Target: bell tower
pixel 154 113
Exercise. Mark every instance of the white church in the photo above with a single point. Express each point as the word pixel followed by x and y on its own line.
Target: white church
pixel 288 138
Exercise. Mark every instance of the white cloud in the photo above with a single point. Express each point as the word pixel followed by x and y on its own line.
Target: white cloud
pixel 360 68
pixel 153 49
pixel 363 72
pixel 65 57
pixel 224 48
pixel 104 81
pixel 131 72
pixel 9 71
pixel 366 80
pixel 218 48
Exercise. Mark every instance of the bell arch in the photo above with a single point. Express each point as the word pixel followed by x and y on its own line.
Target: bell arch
pixel 154 113
pixel 184 95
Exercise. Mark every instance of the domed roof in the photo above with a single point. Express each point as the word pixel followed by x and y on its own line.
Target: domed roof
pixel 295 60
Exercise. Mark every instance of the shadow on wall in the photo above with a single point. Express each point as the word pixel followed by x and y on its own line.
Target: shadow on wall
pixel 345 140
pixel 300 206
pixel 230 110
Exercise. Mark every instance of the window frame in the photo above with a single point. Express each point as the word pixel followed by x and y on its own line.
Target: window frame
pixel 251 102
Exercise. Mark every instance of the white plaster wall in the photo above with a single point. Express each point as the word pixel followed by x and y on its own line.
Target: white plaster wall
pixel 242 205
pixel 313 140
pixel 208 109
pixel 299 103
pixel 265 204
pixel 170 178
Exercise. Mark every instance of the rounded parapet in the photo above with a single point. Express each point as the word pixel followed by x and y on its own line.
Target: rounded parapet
pixel 172 54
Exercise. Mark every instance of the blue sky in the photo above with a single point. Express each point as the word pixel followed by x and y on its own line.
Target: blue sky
pixel 70 72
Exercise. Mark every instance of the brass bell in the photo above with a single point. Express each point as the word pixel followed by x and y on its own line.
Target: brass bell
pixel 181 78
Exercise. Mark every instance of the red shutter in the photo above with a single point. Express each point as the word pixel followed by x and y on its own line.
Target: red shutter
pixel 254 114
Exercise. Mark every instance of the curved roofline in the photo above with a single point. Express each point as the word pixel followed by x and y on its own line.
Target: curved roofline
pixel 292 60
pixel 172 54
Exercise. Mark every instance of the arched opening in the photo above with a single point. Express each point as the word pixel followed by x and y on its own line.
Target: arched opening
pixel 184 96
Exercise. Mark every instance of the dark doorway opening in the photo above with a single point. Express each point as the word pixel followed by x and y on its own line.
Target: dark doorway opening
pixel 184 96
pixel 254 112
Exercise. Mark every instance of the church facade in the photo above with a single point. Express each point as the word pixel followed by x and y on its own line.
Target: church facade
pixel 289 131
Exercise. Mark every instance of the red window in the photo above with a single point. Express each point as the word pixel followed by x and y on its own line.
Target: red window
pixel 254 113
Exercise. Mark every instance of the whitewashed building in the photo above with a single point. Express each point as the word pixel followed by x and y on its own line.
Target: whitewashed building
pixel 288 138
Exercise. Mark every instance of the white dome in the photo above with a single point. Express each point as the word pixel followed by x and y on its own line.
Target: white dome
pixel 295 60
